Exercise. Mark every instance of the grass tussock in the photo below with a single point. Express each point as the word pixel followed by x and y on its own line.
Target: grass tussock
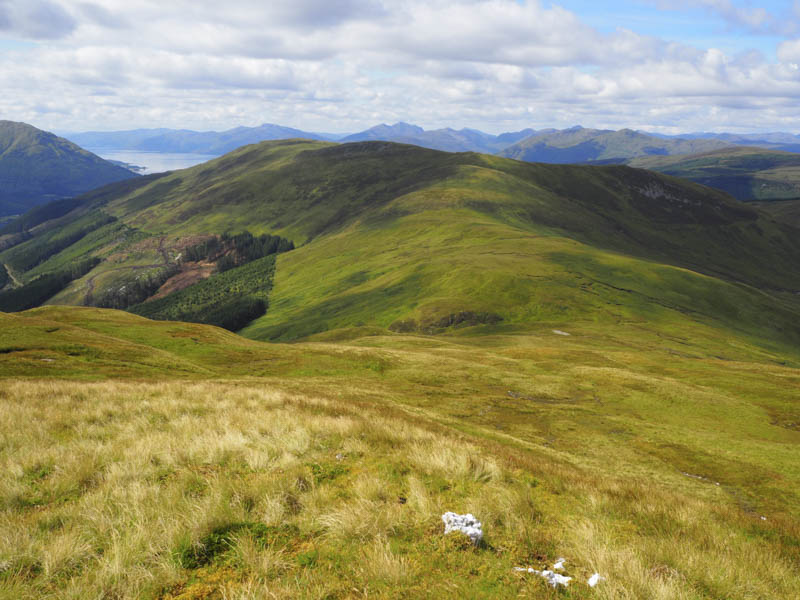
pixel 212 490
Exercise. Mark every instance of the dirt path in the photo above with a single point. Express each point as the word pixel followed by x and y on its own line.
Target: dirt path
pixel 14 280
pixel 164 255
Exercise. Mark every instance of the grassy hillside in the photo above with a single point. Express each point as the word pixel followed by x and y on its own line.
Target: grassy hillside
pixel 407 239
pixel 785 211
pixel 37 167
pixel 599 363
pixel 579 145
pixel 745 173
pixel 198 464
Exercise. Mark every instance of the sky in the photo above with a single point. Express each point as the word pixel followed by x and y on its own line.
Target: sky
pixel 668 66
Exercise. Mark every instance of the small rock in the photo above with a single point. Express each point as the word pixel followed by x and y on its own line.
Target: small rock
pixel 340 456
pixel 559 332
pixel 559 566
pixel 595 579
pixel 466 524
pixel 402 499
pixel 553 578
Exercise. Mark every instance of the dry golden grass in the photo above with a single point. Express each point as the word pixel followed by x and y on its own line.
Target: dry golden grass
pixel 215 490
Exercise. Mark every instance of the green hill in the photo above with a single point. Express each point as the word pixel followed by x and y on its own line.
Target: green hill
pixel 599 363
pixel 579 145
pixel 402 238
pixel 745 173
pixel 37 167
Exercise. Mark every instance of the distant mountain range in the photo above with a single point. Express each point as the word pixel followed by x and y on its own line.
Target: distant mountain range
pixel 787 142
pixel 448 140
pixel 218 143
pixel 186 141
pixel 37 167
pixel 579 145
pixel 573 145
pixel 748 166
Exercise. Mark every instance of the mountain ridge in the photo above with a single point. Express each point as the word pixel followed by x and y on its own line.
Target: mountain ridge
pixel 388 236
pixel 37 167
pixel 595 144
pixel 218 143
pixel 578 145
pixel 188 141
pixel 598 362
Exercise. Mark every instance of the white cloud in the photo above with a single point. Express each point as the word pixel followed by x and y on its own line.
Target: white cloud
pixel 753 19
pixel 35 19
pixel 789 51
pixel 316 64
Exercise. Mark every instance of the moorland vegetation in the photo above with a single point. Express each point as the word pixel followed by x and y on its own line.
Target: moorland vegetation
pixel 600 363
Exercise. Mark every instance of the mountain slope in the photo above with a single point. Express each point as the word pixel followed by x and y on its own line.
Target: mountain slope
pixel 745 173
pixel 37 167
pixel 665 460
pixel 785 211
pixel 449 257
pixel 599 363
pixel 578 145
pixel 401 238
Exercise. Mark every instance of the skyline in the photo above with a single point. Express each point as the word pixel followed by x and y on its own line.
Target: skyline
pixel 666 66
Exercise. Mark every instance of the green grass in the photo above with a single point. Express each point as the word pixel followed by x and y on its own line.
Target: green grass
pixel 437 254
pixel 746 173
pixel 26 256
pixel 398 214
pixel 37 291
pixel 785 211
pixel 228 467
pixel 428 371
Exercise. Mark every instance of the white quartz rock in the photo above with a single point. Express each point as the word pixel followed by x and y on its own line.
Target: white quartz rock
pixel 466 524
pixel 595 579
pixel 554 579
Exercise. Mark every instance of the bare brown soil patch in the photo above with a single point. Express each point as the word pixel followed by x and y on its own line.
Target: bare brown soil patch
pixel 192 273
